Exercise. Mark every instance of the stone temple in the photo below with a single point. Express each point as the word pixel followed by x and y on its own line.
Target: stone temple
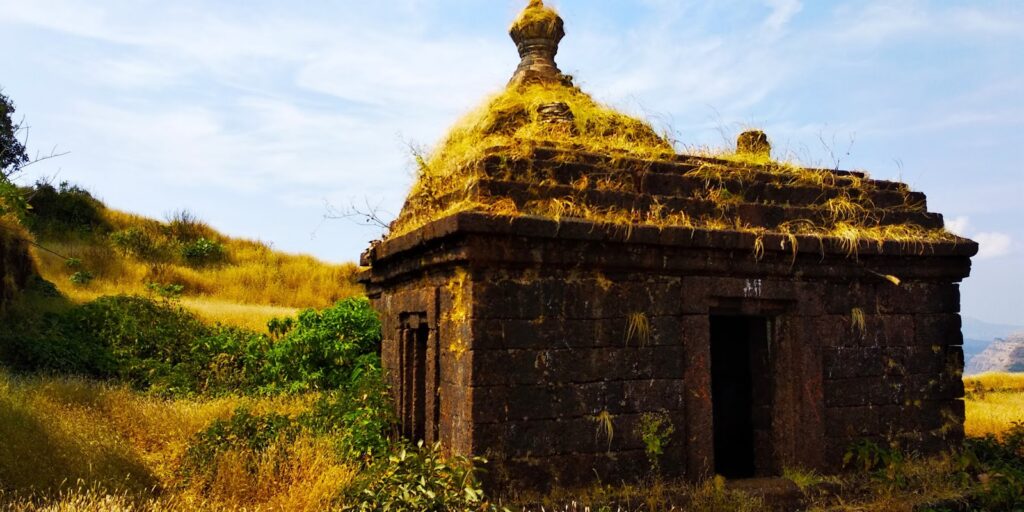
pixel 559 276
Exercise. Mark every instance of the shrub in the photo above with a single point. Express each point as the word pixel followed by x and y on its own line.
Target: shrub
pixel 134 241
pixel 63 209
pixel 161 347
pixel 997 464
pixel 81 278
pixel 419 478
pixel 166 291
pixel 324 347
pixel 184 226
pixel 655 429
pixel 242 431
pixel 12 200
pixel 359 415
pixel 203 251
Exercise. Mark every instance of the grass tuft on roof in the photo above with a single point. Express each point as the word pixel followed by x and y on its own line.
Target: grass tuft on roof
pixel 537 15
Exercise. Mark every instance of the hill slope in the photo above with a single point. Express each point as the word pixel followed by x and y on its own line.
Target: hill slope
pixel 1002 355
pixel 88 250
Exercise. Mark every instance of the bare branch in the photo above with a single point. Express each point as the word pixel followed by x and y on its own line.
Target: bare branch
pixel 366 215
pixel 11 172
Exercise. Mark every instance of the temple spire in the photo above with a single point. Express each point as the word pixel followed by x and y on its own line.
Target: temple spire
pixel 537 32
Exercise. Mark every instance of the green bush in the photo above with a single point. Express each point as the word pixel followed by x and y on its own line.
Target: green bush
pixel 359 415
pixel 997 464
pixel 12 199
pixel 323 347
pixel 63 209
pixel 161 347
pixel 134 241
pixel 166 291
pixel 81 278
pixel 203 251
pixel 242 431
pixel 186 227
pixel 419 478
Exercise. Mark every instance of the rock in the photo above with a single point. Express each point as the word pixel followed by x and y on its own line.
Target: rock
pixel 1002 355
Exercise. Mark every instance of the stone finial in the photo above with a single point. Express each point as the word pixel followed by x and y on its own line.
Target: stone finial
pixel 755 143
pixel 537 32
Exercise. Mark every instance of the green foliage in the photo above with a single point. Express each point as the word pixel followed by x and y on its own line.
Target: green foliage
pixel 203 251
pixel 997 465
pixel 12 200
pixel 64 209
pixel 990 470
pixel 885 464
pixel 159 346
pixel 81 278
pixel 278 327
pixel 419 478
pixel 242 431
pixel 134 241
pixel 166 291
pixel 655 429
pixel 12 150
pixel 324 347
pixel 359 415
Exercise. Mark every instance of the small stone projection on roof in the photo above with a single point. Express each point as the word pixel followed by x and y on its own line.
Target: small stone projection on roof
pixel 544 148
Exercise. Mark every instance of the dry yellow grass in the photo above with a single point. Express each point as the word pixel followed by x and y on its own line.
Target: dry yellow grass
pixel 250 316
pixel 254 284
pixel 88 446
pixel 994 402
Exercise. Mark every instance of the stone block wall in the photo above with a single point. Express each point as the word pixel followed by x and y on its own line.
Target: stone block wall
pixel 544 334
pixel 565 364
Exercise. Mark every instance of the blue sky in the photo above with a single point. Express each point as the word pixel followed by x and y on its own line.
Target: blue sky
pixel 255 114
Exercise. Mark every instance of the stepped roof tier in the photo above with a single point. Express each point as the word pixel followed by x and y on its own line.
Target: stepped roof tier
pixel 543 149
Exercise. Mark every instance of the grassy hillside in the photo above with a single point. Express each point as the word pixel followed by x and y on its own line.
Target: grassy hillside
pixel 994 402
pixel 89 250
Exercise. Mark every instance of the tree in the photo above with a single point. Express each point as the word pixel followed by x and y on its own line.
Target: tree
pixel 14 158
pixel 12 150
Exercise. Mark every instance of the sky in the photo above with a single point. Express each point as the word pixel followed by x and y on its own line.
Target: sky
pixel 255 115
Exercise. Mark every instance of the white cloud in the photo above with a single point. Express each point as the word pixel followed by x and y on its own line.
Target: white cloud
pixel 993 245
pixel 782 12
pixel 958 225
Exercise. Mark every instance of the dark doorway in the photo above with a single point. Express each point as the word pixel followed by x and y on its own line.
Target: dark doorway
pixel 741 395
pixel 415 335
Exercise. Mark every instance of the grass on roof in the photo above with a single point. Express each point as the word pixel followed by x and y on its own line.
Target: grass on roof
pixel 511 125
pixel 537 14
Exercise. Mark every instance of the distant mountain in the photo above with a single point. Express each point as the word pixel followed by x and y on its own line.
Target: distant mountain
pixel 980 330
pixel 1002 355
pixel 978 335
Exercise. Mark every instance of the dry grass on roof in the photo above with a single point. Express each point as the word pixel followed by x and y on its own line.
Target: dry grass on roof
pixel 537 14
pixel 511 125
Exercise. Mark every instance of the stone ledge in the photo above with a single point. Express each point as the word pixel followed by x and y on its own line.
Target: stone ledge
pixel 697 238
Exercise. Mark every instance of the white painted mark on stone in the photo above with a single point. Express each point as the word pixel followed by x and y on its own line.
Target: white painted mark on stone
pixel 752 288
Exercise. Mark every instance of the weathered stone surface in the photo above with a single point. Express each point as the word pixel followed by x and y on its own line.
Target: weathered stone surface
pixel 543 333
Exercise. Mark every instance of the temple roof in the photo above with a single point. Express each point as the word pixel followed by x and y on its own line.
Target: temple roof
pixel 544 148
